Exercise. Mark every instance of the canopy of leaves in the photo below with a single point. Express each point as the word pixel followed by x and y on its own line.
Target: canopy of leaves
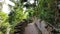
pixel 45 10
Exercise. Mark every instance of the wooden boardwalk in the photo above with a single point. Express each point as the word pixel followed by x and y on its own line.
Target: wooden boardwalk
pixel 31 29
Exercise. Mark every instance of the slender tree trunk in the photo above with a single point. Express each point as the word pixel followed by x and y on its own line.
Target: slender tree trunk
pixel 8 30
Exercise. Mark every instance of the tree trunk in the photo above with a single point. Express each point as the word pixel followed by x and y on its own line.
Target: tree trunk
pixel 8 30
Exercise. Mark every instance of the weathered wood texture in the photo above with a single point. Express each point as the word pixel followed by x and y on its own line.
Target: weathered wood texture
pixel 36 27
pixel 33 28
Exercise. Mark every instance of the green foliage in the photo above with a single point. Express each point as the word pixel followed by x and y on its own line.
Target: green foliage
pixel 30 12
pixel 1 33
pixel 3 22
pixel 3 19
pixel 3 16
pixel 17 15
pixel 46 10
